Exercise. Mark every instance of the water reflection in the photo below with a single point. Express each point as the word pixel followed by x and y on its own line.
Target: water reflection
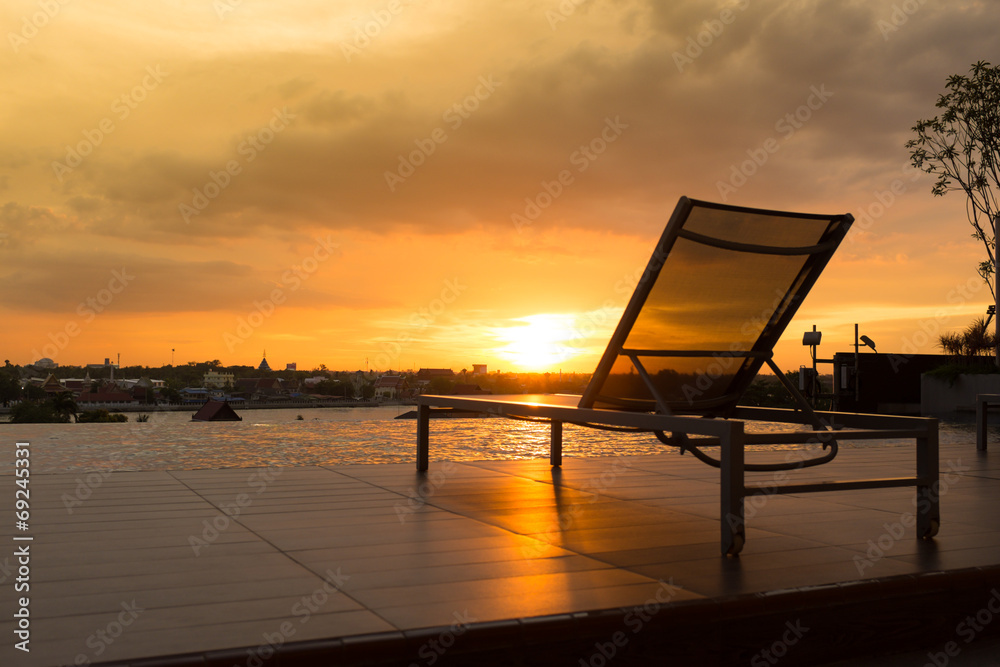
pixel 324 437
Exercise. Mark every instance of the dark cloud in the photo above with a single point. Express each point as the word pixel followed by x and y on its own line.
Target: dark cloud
pixel 687 127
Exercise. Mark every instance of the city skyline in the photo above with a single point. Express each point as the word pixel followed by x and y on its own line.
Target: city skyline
pixel 437 184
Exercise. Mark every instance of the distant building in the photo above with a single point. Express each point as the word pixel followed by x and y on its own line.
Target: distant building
pixel 479 369
pixel 390 387
pixel 431 373
pixel 194 395
pixel 292 366
pixel 260 388
pixel 263 364
pixel 217 380
pixel 105 396
pixel 51 385
pixel 216 411
pixel 77 385
pixel 107 364
pixel 45 362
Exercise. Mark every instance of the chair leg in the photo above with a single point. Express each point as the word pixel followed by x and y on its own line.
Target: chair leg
pixel 732 492
pixel 555 449
pixel 423 437
pixel 982 410
pixel 928 493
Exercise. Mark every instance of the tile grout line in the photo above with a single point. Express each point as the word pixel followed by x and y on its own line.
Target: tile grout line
pixel 285 553
pixel 508 530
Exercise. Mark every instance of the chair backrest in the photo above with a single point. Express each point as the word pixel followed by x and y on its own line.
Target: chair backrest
pixel 717 294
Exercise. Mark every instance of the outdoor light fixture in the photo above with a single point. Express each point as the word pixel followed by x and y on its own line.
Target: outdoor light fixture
pixel 869 342
pixel 812 337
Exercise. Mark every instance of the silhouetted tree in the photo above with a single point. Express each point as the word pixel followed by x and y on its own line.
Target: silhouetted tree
pixel 961 146
pixel 64 404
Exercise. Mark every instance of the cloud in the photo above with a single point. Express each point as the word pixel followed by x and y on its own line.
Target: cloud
pixel 685 129
pixel 60 283
pixel 449 125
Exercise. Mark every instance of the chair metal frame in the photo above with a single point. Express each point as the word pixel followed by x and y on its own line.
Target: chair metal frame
pixel 726 428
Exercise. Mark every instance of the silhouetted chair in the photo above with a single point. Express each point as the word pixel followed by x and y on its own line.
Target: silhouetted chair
pixel 718 292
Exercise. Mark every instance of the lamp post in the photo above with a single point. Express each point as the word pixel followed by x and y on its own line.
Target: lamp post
pixel 812 339
pixel 868 342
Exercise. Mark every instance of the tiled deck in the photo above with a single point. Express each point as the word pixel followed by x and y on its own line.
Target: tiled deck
pixel 514 550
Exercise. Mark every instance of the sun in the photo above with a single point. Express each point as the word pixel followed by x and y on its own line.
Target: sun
pixel 539 342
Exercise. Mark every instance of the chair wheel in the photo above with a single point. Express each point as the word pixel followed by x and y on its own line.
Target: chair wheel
pixel 737 546
pixel 935 525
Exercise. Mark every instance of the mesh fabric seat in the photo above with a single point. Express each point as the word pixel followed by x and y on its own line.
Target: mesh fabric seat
pixel 720 288
pixel 718 292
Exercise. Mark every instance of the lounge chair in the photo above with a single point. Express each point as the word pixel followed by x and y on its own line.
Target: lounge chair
pixel 718 292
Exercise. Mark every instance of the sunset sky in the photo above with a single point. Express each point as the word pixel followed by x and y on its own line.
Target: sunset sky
pixel 344 183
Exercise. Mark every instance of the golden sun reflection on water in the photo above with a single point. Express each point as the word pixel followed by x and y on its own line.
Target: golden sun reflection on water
pixel 325 437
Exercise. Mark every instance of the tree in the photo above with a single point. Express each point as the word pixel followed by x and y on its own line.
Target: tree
pixel 33 392
pixel 170 395
pixel 10 387
pixel 64 404
pixel 100 417
pixel 961 147
pixel 971 345
pixel 440 385
pixel 29 412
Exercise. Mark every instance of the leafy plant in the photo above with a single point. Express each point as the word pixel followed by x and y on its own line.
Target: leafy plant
pixel 30 412
pixel 972 346
pixel 961 146
pixel 99 417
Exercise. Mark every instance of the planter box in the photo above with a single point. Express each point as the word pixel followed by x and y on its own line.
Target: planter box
pixel 938 398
